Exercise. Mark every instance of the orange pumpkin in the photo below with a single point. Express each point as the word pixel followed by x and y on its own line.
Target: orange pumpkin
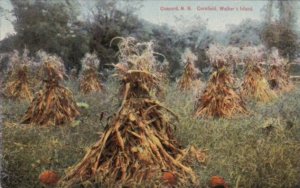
pixel 218 181
pixel 48 177
pixel 169 178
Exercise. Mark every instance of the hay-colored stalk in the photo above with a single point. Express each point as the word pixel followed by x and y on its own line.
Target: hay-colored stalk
pixel 89 77
pixel 138 143
pixel 19 84
pixel 54 104
pixel 219 99
pixel 189 79
pixel 256 86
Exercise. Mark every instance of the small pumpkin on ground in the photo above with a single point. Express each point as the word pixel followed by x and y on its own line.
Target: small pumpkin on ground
pixel 49 178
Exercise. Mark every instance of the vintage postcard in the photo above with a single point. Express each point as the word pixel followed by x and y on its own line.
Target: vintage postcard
pixel 150 93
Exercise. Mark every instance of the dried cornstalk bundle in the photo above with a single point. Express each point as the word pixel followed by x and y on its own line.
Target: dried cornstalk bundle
pixel 189 78
pixel 219 99
pixel 278 76
pixel 138 143
pixel 256 86
pixel 19 83
pixel 89 76
pixel 54 104
pixel 90 82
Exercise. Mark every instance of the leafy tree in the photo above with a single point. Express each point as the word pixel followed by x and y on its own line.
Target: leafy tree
pixel 51 26
pixel 248 31
pixel 107 22
pixel 281 33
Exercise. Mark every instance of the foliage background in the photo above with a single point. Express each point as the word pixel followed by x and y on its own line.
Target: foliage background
pixel 60 27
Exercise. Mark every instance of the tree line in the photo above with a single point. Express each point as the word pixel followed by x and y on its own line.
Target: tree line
pixel 59 27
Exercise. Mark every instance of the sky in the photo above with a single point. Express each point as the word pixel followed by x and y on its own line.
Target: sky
pixel 5 26
pixel 155 11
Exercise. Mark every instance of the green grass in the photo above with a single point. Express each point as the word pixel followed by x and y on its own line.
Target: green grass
pixel 260 150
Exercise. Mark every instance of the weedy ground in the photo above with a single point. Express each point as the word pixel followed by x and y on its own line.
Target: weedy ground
pixel 259 150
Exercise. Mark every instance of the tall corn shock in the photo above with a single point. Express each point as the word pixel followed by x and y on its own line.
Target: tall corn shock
pixel 189 80
pixel 19 84
pixel 138 143
pixel 219 98
pixel 54 104
pixel 256 86
pixel 89 77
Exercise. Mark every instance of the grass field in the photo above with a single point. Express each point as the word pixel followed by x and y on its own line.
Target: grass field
pixel 259 150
